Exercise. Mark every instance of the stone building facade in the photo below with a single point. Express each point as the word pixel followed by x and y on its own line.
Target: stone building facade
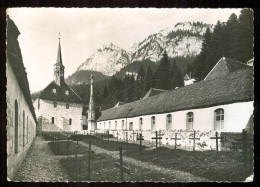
pixel 21 119
pixel 58 107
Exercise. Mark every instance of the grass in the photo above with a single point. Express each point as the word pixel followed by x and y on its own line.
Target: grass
pixel 50 136
pixel 65 147
pixel 227 166
pixel 114 145
pixel 103 169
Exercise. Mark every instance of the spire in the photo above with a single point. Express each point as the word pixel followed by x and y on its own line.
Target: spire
pixel 59 68
pixel 59 58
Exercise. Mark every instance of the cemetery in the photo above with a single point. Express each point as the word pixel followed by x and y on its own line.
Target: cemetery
pixel 105 156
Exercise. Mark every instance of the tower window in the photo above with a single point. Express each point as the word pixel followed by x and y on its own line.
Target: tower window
pixel 55 104
pixel 54 90
pixel 67 92
pixel 52 120
pixel 67 106
pixel 58 73
pixel 70 121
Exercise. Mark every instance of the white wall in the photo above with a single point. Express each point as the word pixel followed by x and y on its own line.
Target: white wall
pixel 236 116
pixel 60 113
pixel 24 139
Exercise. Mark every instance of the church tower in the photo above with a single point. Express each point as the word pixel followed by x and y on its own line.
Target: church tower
pixel 59 68
pixel 91 112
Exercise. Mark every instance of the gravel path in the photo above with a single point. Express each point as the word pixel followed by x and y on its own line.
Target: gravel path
pixel 176 175
pixel 41 165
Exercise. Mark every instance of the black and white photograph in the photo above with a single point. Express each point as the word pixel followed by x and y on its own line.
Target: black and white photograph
pixel 130 94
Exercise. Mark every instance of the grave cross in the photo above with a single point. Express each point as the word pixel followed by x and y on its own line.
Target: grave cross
pixel 245 142
pixel 217 138
pixel 126 134
pixel 175 140
pixel 194 139
pixel 156 140
pixel 108 136
pixel 68 144
pixel 121 167
pixel 133 133
pixel 140 138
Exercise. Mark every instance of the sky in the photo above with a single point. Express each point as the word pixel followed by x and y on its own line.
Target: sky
pixel 83 30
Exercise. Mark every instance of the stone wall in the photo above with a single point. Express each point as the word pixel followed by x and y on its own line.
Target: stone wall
pixel 26 124
pixel 45 109
pixel 204 143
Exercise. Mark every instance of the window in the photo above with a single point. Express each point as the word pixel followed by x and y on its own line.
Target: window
pixel 23 128
pixel 67 105
pixel 115 125
pixel 140 123
pixel 109 125
pixel 153 122
pixel 16 127
pixel 219 119
pixel 67 92
pixel 70 121
pixel 54 90
pixel 169 122
pixel 131 126
pixel 27 131
pixel 189 123
pixel 52 120
pixel 123 124
pixel 55 104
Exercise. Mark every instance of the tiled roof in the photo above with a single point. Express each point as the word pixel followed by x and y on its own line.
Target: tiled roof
pixel 234 87
pixel 153 91
pixel 14 57
pixel 60 95
pixel 225 66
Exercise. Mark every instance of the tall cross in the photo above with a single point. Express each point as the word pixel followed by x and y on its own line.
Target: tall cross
pixel 121 167
pixel 194 139
pixel 133 133
pixel 217 138
pixel 140 138
pixel 156 140
pixel 175 140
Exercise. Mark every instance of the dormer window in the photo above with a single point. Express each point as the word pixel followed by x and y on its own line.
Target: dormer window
pixel 54 90
pixel 67 92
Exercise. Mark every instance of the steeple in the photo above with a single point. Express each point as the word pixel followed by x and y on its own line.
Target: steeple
pixel 59 68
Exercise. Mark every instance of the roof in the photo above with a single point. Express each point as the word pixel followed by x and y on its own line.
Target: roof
pixel 60 95
pixel 234 87
pixel 14 57
pixel 153 91
pixel 225 66
pixel 186 77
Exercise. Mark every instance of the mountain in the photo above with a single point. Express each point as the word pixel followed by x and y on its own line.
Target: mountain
pixel 108 59
pixel 83 77
pixel 184 39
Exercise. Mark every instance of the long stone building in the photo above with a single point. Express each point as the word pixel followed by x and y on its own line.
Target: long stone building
pixel 223 101
pixel 21 118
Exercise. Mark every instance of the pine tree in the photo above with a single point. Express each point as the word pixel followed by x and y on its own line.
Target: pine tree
pixel 140 83
pixel 163 73
pixel 148 82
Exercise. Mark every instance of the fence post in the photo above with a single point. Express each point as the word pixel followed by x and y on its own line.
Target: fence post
pixel 89 149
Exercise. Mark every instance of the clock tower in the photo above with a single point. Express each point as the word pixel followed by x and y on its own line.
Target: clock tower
pixel 59 68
